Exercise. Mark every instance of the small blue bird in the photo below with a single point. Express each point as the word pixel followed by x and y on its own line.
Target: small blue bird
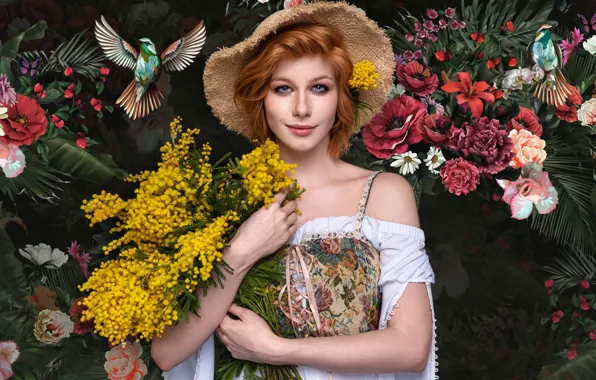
pixel 546 54
pixel 141 96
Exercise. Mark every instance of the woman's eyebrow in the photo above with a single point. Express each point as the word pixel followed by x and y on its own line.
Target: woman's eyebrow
pixel 283 79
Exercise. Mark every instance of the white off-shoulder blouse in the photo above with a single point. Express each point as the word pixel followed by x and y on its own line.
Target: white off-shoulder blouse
pixel 403 260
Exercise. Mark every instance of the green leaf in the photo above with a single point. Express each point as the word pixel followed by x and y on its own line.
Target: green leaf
pixel 11 47
pixel 582 367
pixel 43 150
pixel 67 157
pixel 51 95
pixel 12 277
pixel 99 86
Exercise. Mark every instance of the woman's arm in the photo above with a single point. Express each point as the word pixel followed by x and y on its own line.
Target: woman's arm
pixel 401 347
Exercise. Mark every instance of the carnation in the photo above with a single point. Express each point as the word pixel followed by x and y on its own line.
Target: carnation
pixel 460 176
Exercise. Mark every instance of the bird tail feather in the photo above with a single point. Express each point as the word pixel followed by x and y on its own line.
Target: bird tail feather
pixel 150 101
pixel 554 95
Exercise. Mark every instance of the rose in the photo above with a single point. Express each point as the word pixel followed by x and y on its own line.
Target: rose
pixel 485 139
pixel 395 127
pixel 292 3
pixel 460 176
pixel 48 10
pixel 435 128
pixel 330 245
pixel 525 119
pixel 417 78
pixel 26 122
pixel 76 312
pixel 9 350
pixel 587 113
pixel 52 326
pixel 43 298
pixel 526 148
pixel 533 189
pixel 125 363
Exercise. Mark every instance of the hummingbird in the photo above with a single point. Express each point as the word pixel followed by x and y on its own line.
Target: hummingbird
pixel 142 96
pixel 546 54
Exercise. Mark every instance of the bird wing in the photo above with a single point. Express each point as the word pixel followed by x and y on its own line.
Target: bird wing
pixel 559 55
pixel 114 47
pixel 182 52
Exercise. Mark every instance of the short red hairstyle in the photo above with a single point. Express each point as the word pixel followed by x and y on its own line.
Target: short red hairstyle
pixel 294 42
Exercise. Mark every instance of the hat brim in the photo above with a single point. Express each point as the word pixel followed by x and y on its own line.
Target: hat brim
pixel 364 40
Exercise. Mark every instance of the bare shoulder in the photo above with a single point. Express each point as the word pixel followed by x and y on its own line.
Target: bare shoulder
pixel 392 199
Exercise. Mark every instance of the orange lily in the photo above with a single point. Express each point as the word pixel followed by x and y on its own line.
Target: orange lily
pixel 470 93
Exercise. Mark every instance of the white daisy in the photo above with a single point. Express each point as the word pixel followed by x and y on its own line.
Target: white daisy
pixel 396 91
pixel 434 159
pixel 407 163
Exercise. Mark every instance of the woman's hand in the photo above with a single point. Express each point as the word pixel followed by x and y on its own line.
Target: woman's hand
pixel 249 338
pixel 265 231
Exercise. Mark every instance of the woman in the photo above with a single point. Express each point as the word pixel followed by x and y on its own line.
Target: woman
pixel 358 278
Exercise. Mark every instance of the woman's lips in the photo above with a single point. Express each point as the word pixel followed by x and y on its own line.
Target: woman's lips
pixel 301 130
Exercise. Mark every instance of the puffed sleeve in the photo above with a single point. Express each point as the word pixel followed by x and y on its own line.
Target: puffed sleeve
pixel 200 365
pixel 403 260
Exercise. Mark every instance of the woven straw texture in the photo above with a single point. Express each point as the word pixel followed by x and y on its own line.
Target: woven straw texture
pixel 364 40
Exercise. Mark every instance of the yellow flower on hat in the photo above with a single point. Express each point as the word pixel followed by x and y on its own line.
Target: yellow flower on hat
pixel 364 76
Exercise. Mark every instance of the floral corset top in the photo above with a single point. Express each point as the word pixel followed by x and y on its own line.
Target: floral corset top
pixel 331 282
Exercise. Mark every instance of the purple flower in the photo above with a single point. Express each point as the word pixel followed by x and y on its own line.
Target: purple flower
pixel 442 23
pixel 449 12
pixel 569 46
pixel 82 259
pixel 431 13
pixel 485 139
pixel 8 96
pixel 399 60
pixel 428 24
pixel 454 24
pixel 428 102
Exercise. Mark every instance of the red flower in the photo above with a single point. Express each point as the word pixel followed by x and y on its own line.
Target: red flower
pixel 510 26
pixel 417 78
pixel 460 176
pixel 571 353
pixel 76 312
pixel 557 315
pixel 492 63
pixel 583 304
pixel 81 140
pixel 525 119
pixel 485 139
pixel 568 111
pixel 584 284
pixel 512 62
pixel 478 37
pixel 59 123
pixel 435 129
pixel 69 92
pixel 38 89
pixel 593 334
pixel 395 127
pixel 96 104
pixel 549 283
pixel 442 55
pixel 498 94
pixel 470 93
pixel 68 71
pixel 104 71
pixel 26 122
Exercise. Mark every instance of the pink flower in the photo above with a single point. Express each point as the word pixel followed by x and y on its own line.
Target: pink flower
pixel 449 12
pixel 417 54
pixel 59 123
pixel 571 353
pixel 408 56
pixel 593 335
pixel 428 24
pixel 9 350
pixel 81 141
pixel 454 24
pixel 417 26
pixel 549 283
pixel 418 43
pixel 82 259
pixel 5 369
pixel 533 189
pixel 462 24
pixel 569 46
pixel 460 176
pixel 431 13
pixel 557 315
pixel 442 23
pixel 12 160
pixel 68 71
pixel 104 71
pixel 409 37
pixel 526 148
pixel 8 96
pixel 125 363
pixel 485 139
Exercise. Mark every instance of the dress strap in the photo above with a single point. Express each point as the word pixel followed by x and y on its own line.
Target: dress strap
pixel 363 202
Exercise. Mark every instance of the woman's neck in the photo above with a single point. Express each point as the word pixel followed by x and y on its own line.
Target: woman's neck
pixel 312 168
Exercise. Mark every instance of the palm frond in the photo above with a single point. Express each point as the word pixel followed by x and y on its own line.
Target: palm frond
pixel 579 67
pixel 573 222
pixel 80 54
pixel 572 267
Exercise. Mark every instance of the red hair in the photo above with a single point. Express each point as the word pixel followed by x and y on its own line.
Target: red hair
pixel 251 85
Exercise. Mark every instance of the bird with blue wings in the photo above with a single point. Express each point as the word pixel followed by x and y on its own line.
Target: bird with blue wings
pixel 546 54
pixel 142 96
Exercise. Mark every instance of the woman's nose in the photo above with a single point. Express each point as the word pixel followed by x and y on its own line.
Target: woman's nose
pixel 302 104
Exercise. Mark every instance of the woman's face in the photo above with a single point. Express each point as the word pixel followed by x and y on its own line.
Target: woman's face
pixel 301 103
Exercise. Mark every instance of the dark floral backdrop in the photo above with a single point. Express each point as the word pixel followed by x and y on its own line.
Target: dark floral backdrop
pixel 492 301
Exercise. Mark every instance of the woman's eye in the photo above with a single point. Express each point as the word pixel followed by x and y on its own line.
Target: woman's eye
pixel 282 89
pixel 320 88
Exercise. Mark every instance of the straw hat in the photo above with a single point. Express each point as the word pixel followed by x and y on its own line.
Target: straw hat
pixel 364 40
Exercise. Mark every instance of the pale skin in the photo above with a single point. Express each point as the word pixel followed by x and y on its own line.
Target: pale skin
pixel 303 91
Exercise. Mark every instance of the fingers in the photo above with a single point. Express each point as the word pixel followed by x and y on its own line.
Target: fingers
pixel 238 311
pixel 279 197
pixel 289 207
pixel 292 219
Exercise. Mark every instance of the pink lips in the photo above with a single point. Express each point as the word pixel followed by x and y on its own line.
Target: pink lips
pixel 301 130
